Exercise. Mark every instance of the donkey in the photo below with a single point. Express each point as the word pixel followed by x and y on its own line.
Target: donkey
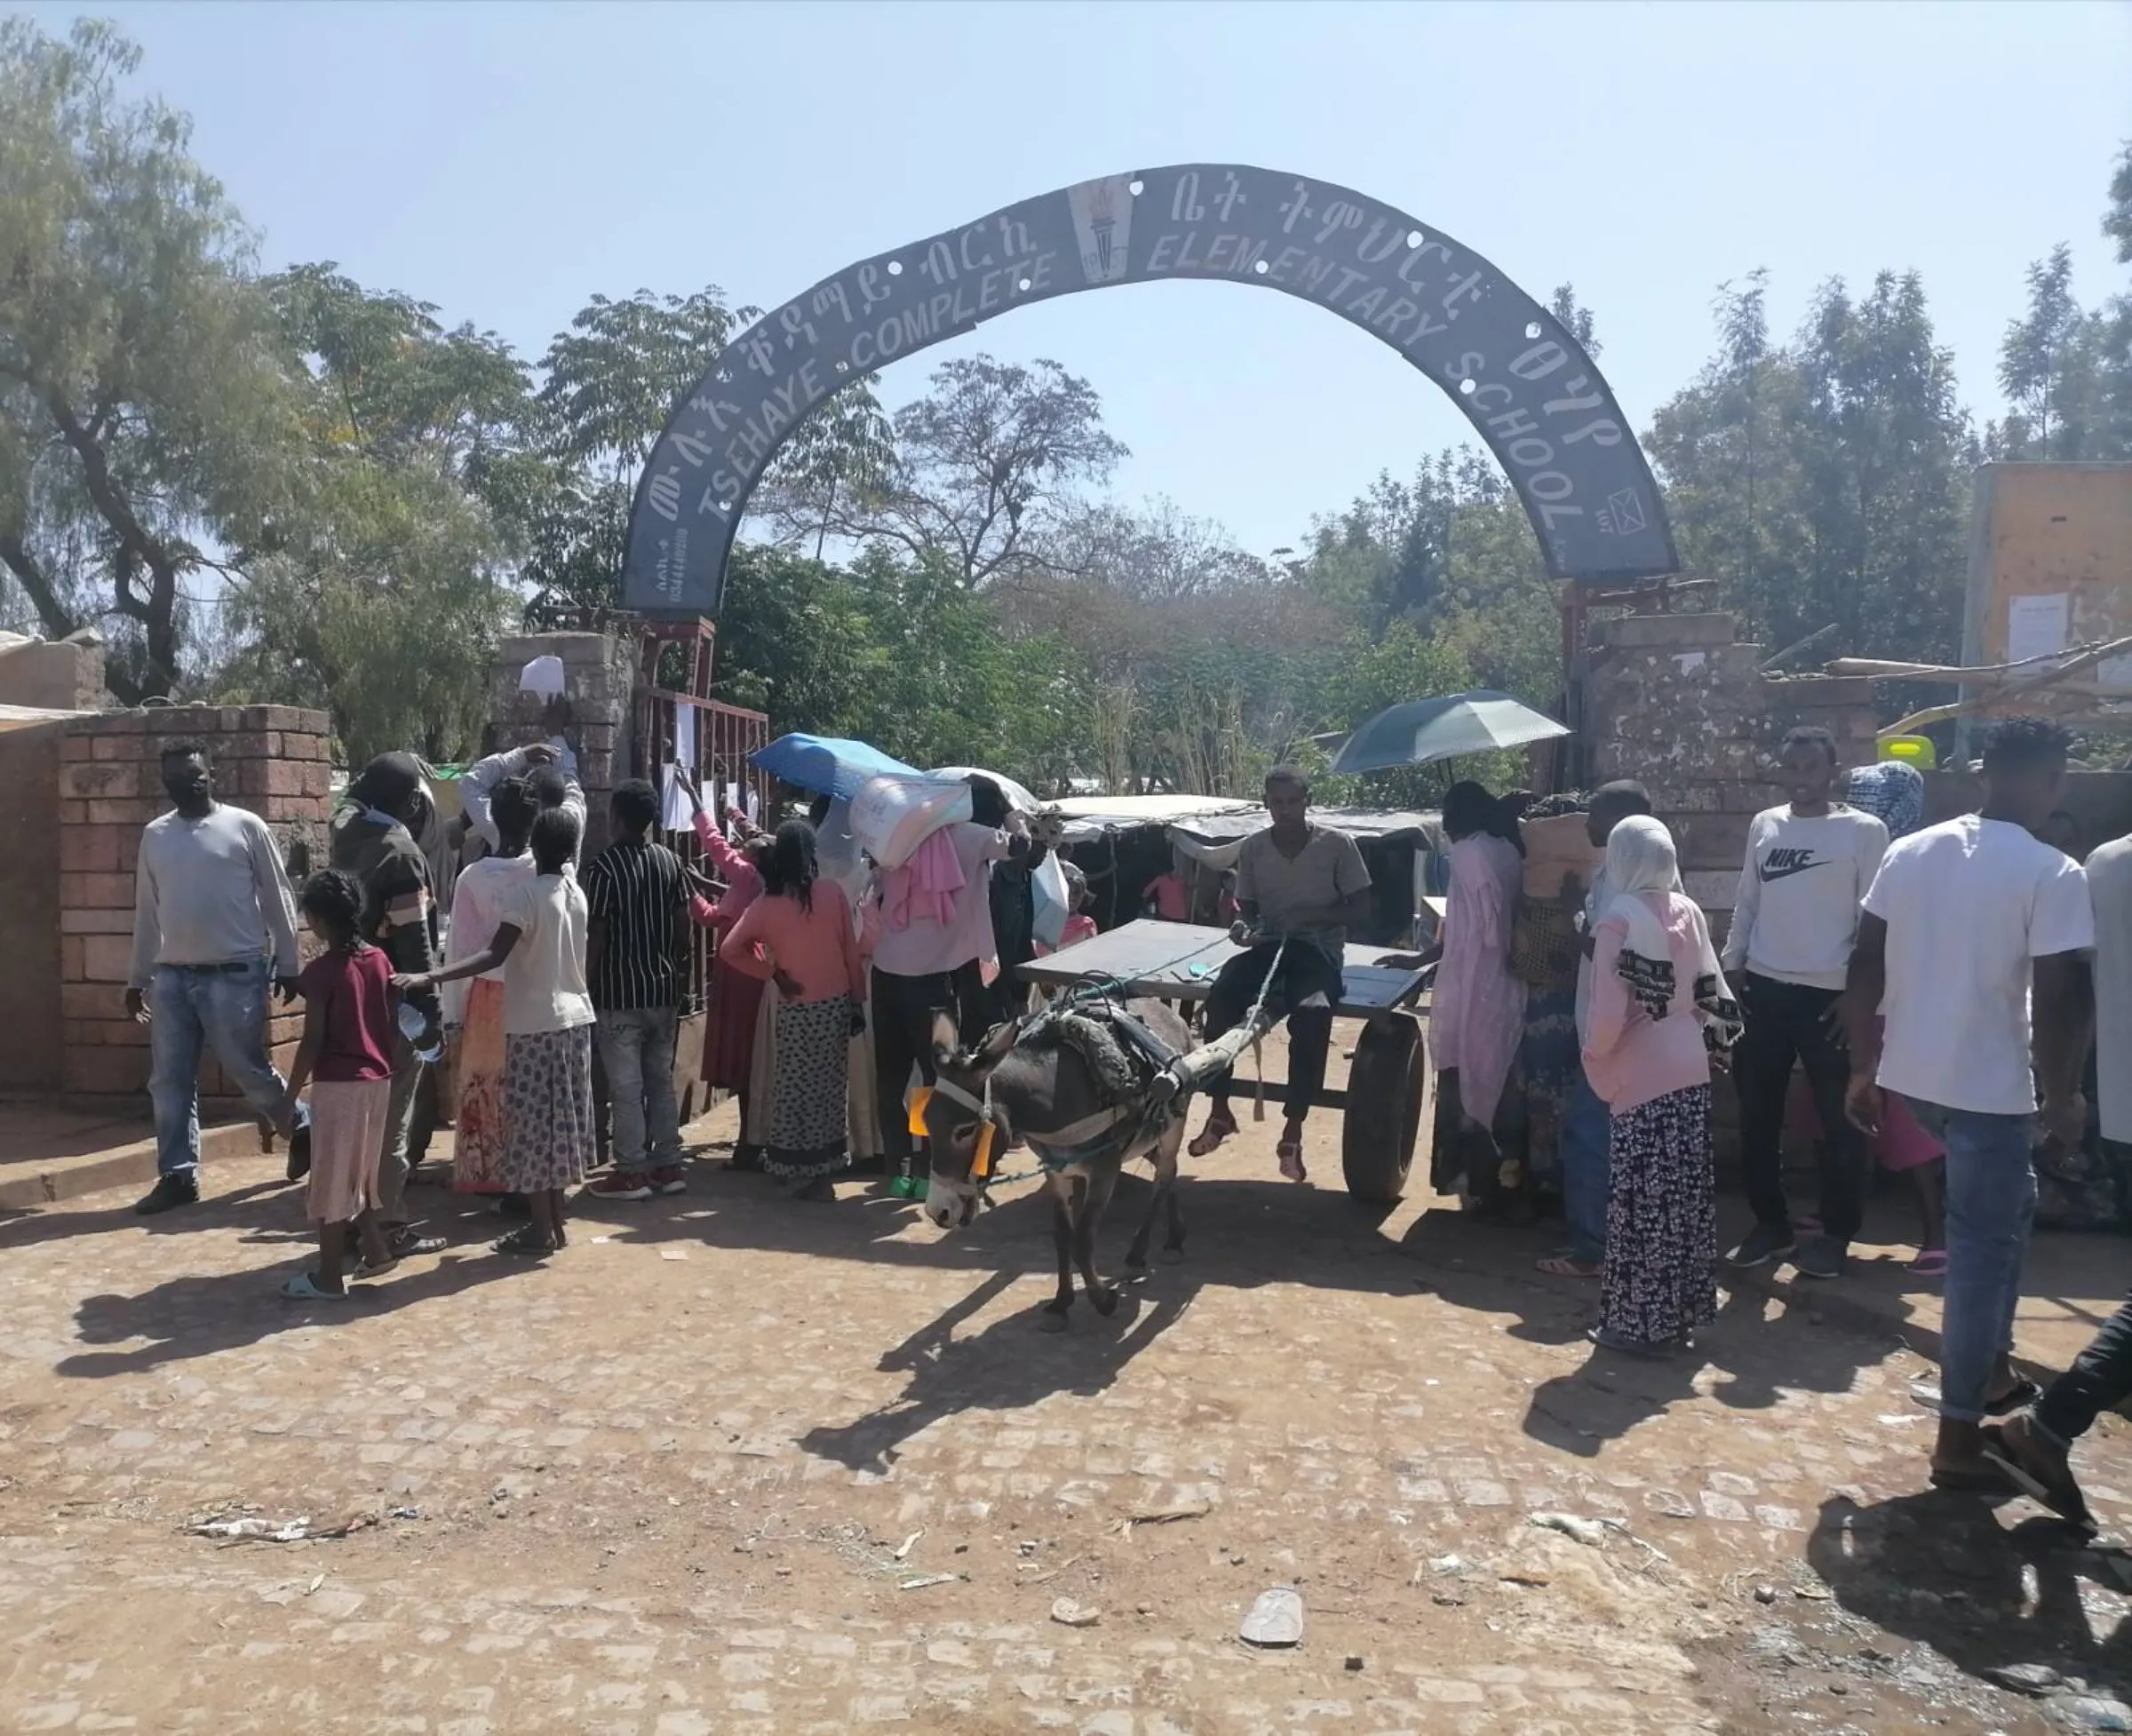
pixel 1048 1097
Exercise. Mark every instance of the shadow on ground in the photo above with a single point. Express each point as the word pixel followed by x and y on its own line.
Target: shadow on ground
pixel 1944 1570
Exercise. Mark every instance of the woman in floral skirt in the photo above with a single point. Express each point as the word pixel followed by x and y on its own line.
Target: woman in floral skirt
pixel 1659 1005
pixel 473 1012
pixel 801 935
pixel 550 1139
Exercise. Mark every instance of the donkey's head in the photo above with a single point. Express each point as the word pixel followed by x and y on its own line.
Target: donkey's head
pixel 965 1141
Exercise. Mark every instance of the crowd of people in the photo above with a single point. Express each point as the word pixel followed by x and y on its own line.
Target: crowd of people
pixel 1944 990
pixel 1936 990
pixel 828 997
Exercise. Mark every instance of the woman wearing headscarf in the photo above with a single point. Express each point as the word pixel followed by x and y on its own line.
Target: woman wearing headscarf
pixel 1477 1010
pixel 371 840
pixel 1659 1005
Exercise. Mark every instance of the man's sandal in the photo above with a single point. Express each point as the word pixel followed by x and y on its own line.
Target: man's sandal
pixel 527 1244
pixel 1290 1153
pixel 1211 1138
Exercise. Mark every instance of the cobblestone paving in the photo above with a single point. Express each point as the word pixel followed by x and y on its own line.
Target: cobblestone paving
pixel 703 1473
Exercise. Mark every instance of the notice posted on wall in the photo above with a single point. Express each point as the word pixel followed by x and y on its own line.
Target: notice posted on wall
pixel 2037 627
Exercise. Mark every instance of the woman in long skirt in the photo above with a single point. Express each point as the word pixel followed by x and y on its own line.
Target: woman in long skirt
pixel 548 1020
pixel 1659 1004
pixel 734 1006
pixel 1478 1008
pixel 799 935
pixel 473 1011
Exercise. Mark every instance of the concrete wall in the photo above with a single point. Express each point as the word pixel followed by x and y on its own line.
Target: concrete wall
pixel 2047 530
pixel 29 907
pixel 55 676
pixel 274 760
pixel 2101 801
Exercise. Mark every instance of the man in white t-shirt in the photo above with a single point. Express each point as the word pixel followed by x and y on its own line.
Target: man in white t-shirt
pixel 1959 920
pixel 2035 1448
pixel 1794 918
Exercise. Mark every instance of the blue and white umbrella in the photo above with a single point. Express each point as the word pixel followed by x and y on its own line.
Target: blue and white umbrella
pixel 827 765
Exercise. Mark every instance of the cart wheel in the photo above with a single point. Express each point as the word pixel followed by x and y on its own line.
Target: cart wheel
pixel 1388 1085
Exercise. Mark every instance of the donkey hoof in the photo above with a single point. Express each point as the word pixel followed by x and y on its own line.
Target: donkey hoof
pixel 1048 1321
pixel 1172 1257
pixel 1105 1301
pixel 1137 1261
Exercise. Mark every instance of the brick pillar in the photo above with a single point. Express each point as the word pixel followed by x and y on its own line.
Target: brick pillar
pixel 595 716
pixel 272 759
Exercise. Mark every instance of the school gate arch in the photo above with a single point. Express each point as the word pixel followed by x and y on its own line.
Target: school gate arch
pixel 1534 396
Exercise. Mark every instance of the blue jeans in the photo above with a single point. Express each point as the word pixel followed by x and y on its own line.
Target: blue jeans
pixel 193 1005
pixel 636 1050
pixel 1991 1200
pixel 1586 1142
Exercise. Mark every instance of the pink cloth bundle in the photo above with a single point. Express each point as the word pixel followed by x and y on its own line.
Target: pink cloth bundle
pixel 923 888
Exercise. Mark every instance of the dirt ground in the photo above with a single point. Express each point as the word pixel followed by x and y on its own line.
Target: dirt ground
pixel 733 1463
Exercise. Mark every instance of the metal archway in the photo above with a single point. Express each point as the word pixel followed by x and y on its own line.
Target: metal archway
pixel 1530 392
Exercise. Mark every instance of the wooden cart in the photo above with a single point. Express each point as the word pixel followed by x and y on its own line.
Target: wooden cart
pixel 1390 1084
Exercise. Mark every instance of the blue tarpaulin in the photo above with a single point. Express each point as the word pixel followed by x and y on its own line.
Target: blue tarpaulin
pixel 827 765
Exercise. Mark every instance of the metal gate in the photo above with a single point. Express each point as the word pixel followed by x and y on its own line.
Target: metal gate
pixel 683 725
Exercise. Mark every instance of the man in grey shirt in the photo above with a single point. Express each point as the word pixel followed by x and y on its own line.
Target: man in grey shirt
pixel 210 901
pixel 1301 887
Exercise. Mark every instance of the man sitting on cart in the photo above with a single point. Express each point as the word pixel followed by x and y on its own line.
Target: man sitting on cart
pixel 1300 887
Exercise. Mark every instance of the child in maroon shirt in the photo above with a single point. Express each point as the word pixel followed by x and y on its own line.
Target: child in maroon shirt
pixel 346 1056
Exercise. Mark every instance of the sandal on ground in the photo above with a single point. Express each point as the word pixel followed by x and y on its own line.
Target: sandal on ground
pixel 1290 1152
pixel 405 1244
pixel 1561 1265
pixel 1211 1136
pixel 1931 1263
pixel 364 1269
pixel 303 1288
pixel 527 1244
pixel 2049 1485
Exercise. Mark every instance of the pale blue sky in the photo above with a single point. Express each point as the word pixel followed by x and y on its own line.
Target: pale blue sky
pixel 507 161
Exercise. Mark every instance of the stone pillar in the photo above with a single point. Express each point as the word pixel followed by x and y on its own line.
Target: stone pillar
pixel 1677 703
pixel 272 759
pixel 595 715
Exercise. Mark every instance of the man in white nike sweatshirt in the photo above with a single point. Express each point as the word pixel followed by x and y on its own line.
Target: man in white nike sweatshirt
pixel 1795 922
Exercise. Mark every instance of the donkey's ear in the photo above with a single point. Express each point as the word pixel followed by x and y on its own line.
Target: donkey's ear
pixel 1000 1043
pixel 944 1040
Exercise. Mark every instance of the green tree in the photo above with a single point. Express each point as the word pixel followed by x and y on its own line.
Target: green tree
pixel 2048 368
pixel 988 467
pixel 382 598
pixel 147 424
pixel 1824 483
pixel 610 383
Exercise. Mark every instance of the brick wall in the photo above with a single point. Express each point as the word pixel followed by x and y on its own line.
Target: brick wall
pixel 274 760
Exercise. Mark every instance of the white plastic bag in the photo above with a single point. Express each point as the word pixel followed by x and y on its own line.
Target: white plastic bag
pixel 1047 885
pixel 892 816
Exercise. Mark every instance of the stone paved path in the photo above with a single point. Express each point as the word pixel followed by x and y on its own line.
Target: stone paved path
pixel 705 1471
